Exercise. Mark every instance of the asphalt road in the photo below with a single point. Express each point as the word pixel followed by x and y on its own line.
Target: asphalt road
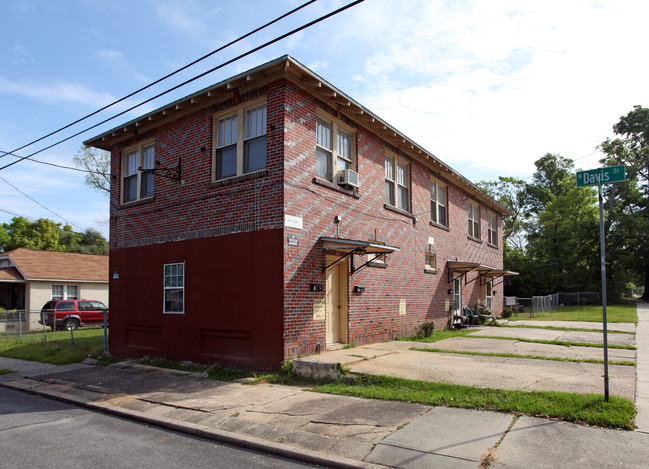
pixel 37 432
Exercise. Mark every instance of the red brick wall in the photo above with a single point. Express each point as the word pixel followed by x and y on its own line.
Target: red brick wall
pixel 373 315
pixel 228 234
pixel 185 216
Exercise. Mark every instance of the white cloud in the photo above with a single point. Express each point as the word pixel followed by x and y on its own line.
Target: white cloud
pixel 495 85
pixel 114 55
pixel 21 55
pixel 60 92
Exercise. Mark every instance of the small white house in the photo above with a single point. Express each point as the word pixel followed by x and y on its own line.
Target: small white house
pixel 30 278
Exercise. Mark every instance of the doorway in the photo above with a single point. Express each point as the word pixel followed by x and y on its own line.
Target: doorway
pixel 457 296
pixel 336 301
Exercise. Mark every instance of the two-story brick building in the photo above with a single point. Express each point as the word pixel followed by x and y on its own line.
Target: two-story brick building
pixel 271 216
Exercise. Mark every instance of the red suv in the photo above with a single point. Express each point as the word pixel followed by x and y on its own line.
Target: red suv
pixel 71 314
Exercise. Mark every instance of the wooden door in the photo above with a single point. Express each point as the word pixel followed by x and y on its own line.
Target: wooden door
pixel 336 301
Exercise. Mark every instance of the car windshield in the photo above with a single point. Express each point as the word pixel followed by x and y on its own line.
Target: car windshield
pixel 98 305
pixel 49 305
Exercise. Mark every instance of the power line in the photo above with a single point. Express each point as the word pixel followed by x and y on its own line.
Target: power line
pixel 16 214
pixel 228 62
pixel 160 79
pixel 56 165
pixel 37 202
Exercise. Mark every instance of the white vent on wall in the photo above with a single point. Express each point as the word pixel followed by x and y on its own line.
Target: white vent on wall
pixel 348 178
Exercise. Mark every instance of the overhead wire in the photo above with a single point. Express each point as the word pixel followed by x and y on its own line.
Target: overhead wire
pixel 37 202
pixel 32 160
pixel 213 69
pixel 268 43
pixel 159 80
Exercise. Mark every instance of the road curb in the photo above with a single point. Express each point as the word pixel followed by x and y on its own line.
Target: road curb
pixel 231 438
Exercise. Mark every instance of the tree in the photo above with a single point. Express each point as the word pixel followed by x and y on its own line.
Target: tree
pixel 41 234
pixel 97 162
pixel 628 202
pixel 47 235
pixel 511 193
pixel 552 237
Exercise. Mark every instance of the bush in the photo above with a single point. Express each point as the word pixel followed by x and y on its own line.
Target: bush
pixel 507 313
pixel 426 329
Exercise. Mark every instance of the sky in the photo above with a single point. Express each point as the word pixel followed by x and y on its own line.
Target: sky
pixel 488 87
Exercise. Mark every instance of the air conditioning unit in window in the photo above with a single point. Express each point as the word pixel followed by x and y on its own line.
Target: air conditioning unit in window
pixel 348 178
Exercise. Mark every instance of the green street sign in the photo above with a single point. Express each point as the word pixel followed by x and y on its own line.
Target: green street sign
pixel 606 175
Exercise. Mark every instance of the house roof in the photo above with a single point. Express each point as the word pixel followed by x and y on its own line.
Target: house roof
pixel 10 274
pixel 288 67
pixel 31 264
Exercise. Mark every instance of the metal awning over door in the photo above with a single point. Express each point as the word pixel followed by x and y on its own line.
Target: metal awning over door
pixel 351 247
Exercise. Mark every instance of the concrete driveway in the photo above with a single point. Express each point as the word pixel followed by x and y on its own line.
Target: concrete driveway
pixel 397 359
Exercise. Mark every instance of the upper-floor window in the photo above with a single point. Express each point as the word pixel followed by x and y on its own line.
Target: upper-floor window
pixel 474 220
pixel 438 203
pixel 138 184
pixel 492 228
pixel 240 142
pixel 397 182
pixel 335 148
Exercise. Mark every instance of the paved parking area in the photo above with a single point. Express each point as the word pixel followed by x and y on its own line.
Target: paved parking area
pixel 397 359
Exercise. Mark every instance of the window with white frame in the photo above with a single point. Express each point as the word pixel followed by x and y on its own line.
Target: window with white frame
pixel 474 220
pixel 240 141
pixel 174 288
pixel 492 228
pixel 335 148
pixel 138 184
pixel 438 203
pixel 65 292
pixel 397 182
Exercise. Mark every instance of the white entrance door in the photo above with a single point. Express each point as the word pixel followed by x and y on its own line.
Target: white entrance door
pixel 457 295
pixel 336 303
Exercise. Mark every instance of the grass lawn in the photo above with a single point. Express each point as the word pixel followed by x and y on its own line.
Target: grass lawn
pixel 614 313
pixel 590 409
pixel 58 350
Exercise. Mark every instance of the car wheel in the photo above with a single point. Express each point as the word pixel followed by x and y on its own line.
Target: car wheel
pixel 70 325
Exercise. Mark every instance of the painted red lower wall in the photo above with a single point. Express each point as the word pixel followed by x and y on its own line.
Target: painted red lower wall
pixel 233 300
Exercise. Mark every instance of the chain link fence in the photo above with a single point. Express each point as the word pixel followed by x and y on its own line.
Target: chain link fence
pixel 544 304
pixel 30 323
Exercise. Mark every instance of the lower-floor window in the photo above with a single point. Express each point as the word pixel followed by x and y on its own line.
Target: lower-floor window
pixel 65 292
pixel 174 288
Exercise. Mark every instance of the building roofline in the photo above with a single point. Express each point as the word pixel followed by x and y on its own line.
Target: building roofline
pixel 287 67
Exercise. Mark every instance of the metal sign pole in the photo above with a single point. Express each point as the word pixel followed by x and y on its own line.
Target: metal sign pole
pixel 603 261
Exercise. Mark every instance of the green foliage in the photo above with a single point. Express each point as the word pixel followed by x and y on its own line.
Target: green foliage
pixel 614 313
pixel 286 369
pixel 507 313
pixel 47 235
pixel 589 409
pixel 627 220
pixel 426 329
pixel 436 336
pixel 58 350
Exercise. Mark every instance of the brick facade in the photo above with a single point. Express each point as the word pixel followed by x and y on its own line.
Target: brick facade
pixel 232 237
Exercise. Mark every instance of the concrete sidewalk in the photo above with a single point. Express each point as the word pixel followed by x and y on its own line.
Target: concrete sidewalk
pixel 339 431
pixel 333 431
